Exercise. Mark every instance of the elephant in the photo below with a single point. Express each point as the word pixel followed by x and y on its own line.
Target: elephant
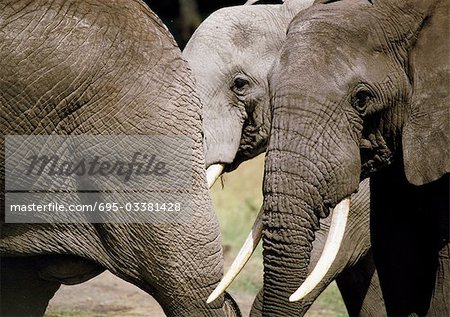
pixel 231 55
pixel 360 90
pixel 106 68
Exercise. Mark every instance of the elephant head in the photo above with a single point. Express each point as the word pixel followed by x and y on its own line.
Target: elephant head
pixel 230 55
pixel 358 86
pixel 217 54
pixel 104 68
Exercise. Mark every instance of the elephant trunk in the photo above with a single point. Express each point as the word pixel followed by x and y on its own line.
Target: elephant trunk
pixel 287 239
pixel 306 175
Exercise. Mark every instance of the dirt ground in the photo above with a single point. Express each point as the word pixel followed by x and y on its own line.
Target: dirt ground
pixel 108 296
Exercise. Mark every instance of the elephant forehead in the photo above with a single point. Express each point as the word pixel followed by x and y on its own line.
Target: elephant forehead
pixel 354 25
pixel 241 27
pixel 223 48
pixel 254 32
pixel 246 34
pixel 339 22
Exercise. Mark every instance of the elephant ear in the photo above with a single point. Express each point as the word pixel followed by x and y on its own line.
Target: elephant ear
pixel 426 133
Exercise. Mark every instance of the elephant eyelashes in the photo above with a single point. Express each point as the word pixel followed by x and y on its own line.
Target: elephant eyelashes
pixel 239 84
pixel 361 100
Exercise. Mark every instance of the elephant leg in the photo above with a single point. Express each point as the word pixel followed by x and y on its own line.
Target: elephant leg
pixel 257 305
pixel 360 288
pixel 23 292
pixel 231 308
pixel 440 301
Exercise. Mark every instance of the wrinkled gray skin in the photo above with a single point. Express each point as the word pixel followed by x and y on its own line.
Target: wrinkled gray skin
pixel 361 88
pixel 243 42
pixel 228 49
pixel 103 67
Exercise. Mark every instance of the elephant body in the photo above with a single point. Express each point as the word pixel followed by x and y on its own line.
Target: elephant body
pixel 360 90
pixel 108 68
pixel 231 54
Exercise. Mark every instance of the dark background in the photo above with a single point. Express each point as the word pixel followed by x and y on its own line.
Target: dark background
pixel 183 16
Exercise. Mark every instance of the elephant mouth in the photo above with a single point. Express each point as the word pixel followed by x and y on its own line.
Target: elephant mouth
pixel 230 167
pixel 214 171
pixel 374 157
pixel 252 143
pixel 245 153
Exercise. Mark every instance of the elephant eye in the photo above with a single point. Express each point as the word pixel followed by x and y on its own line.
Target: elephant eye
pixel 239 84
pixel 361 99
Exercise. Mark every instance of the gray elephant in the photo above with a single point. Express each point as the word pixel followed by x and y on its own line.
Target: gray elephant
pixel 360 89
pixel 231 54
pixel 103 68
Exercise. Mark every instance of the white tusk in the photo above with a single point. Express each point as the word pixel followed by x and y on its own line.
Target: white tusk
pixel 334 239
pixel 213 172
pixel 241 259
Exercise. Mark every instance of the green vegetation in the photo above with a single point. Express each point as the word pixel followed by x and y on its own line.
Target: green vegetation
pixel 237 203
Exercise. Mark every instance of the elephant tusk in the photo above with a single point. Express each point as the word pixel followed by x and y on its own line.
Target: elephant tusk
pixel 330 250
pixel 213 172
pixel 241 259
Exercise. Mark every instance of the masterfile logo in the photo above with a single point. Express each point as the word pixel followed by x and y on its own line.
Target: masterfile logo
pixel 140 164
pixel 121 178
